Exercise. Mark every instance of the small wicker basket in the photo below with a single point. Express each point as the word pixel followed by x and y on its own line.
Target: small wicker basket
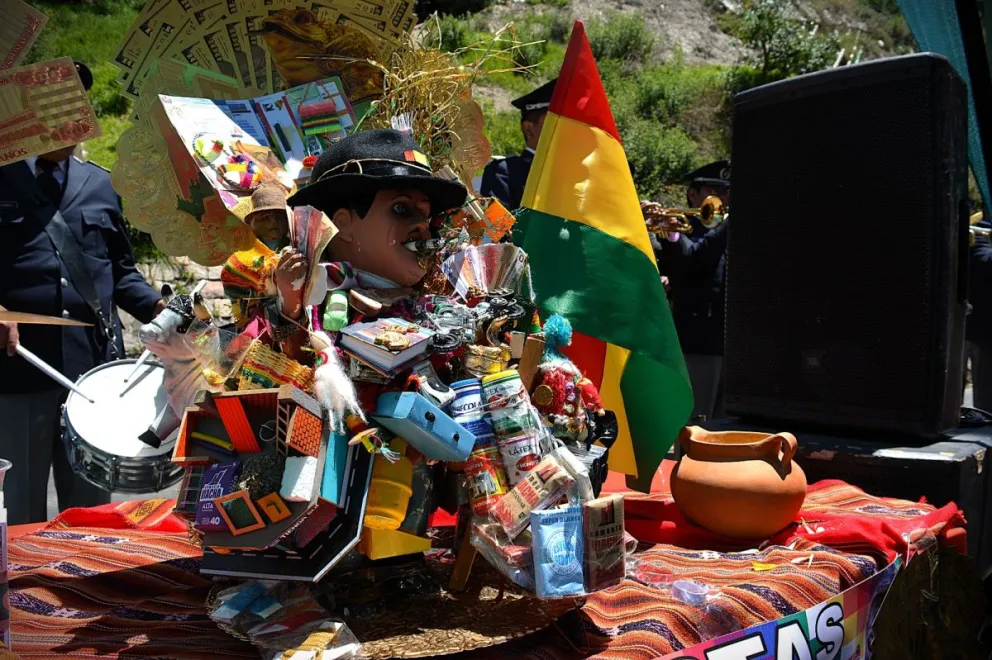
pixel 263 368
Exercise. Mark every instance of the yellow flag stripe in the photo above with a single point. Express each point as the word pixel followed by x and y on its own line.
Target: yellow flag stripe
pixel 580 173
pixel 622 453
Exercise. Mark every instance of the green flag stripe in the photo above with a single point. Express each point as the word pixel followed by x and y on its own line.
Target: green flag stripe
pixel 658 401
pixel 605 287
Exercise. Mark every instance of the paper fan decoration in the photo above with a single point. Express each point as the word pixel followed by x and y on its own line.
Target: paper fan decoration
pixel 485 268
pixel 470 148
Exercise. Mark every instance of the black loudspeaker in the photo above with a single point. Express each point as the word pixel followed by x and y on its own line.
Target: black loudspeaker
pixel 847 254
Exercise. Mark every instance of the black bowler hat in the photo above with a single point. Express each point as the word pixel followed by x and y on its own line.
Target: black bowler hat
pixel 85 75
pixel 716 173
pixel 370 161
pixel 539 99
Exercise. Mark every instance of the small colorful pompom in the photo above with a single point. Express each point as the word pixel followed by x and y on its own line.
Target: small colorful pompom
pixel 557 334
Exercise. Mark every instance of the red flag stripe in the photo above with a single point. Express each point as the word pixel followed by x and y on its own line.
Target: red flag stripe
pixel 589 355
pixel 579 93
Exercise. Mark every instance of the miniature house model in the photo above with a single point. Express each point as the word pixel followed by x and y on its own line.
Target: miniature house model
pixel 273 492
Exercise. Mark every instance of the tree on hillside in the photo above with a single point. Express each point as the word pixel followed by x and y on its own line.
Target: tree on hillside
pixel 783 43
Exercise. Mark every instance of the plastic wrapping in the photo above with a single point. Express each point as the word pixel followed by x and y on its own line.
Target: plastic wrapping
pixel 283 622
pixel 322 640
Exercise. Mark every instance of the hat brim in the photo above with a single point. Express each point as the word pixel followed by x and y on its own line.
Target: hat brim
pixel 334 192
pixel 263 209
pixel 704 181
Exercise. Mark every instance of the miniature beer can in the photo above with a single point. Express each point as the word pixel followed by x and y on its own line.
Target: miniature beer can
pixel 485 479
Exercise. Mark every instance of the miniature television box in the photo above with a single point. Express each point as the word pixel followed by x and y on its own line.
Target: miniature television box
pixel 275 494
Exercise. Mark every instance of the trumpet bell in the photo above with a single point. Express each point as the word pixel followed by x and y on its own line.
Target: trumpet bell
pixel 711 212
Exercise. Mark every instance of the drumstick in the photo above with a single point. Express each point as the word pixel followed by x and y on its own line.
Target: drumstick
pixel 49 371
pixel 137 365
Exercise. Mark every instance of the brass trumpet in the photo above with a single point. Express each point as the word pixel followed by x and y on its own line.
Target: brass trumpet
pixel 662 221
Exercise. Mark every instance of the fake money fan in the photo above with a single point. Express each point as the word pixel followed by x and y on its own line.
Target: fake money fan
pixel 484 268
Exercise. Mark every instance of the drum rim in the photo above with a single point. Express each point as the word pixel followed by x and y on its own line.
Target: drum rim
pixel 74 434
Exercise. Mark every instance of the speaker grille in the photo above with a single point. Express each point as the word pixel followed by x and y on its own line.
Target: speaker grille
pixel 841 204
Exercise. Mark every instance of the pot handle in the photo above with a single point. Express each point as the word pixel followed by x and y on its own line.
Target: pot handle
pixel 789 448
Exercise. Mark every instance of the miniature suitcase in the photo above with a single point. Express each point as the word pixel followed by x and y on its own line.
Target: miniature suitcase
pixel 424 426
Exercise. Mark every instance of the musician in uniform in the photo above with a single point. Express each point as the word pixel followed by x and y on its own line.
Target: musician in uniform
pixel 38 278
pixel 979 327
pixel 695 265
pixel 505 178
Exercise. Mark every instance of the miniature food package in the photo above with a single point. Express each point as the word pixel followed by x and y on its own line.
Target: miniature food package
pixel 218 481
pixel 558 552
pixel 538 489
pixel 605 563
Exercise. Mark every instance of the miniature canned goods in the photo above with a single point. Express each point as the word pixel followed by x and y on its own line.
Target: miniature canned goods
pixel 486 479
pixel 507 422
pixel 503 390
pixel 467 410
pixel 520 454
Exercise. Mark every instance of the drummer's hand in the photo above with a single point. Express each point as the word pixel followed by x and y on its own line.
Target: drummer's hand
pixel 9 337
pixel 291 275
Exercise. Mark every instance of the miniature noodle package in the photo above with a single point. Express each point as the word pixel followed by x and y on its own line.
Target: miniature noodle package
pixel 539 488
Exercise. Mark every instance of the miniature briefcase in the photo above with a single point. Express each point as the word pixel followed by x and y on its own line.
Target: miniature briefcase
pixel 424 426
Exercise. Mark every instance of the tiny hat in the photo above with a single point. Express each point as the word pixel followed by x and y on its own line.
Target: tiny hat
pixel 374 160
pixel 538 99
pixel 266 198
pixel 716 173
pixel 85 75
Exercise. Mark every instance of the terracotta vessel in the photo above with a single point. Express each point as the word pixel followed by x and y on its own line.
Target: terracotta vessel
pixel 741 485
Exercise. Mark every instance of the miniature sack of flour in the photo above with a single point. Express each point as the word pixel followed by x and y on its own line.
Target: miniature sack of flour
pixel 558 552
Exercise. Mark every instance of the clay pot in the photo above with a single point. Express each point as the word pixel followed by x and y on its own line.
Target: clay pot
pixel 741 485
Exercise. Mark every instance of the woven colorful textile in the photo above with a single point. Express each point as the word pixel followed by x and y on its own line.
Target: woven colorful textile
pixel 82 592
pixel 634 621
pixel 244 278
pixel 88 592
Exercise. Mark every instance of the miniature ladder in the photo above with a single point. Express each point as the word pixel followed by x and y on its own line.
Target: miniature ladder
pixel 284 415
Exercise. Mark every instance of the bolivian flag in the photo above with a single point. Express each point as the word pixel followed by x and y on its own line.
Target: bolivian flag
pixel 592 262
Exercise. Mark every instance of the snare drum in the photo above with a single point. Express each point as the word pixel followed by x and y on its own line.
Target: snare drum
pixel 102 438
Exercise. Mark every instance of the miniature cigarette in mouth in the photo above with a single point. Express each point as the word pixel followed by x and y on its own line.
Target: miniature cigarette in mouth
pixel 428 246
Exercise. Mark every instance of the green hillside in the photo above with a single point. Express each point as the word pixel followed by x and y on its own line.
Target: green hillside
pixel 671 106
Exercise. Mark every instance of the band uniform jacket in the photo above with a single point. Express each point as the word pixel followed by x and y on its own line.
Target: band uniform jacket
pixel 505 178
pixel 696 267
pixel 979 325
pixel 33 278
